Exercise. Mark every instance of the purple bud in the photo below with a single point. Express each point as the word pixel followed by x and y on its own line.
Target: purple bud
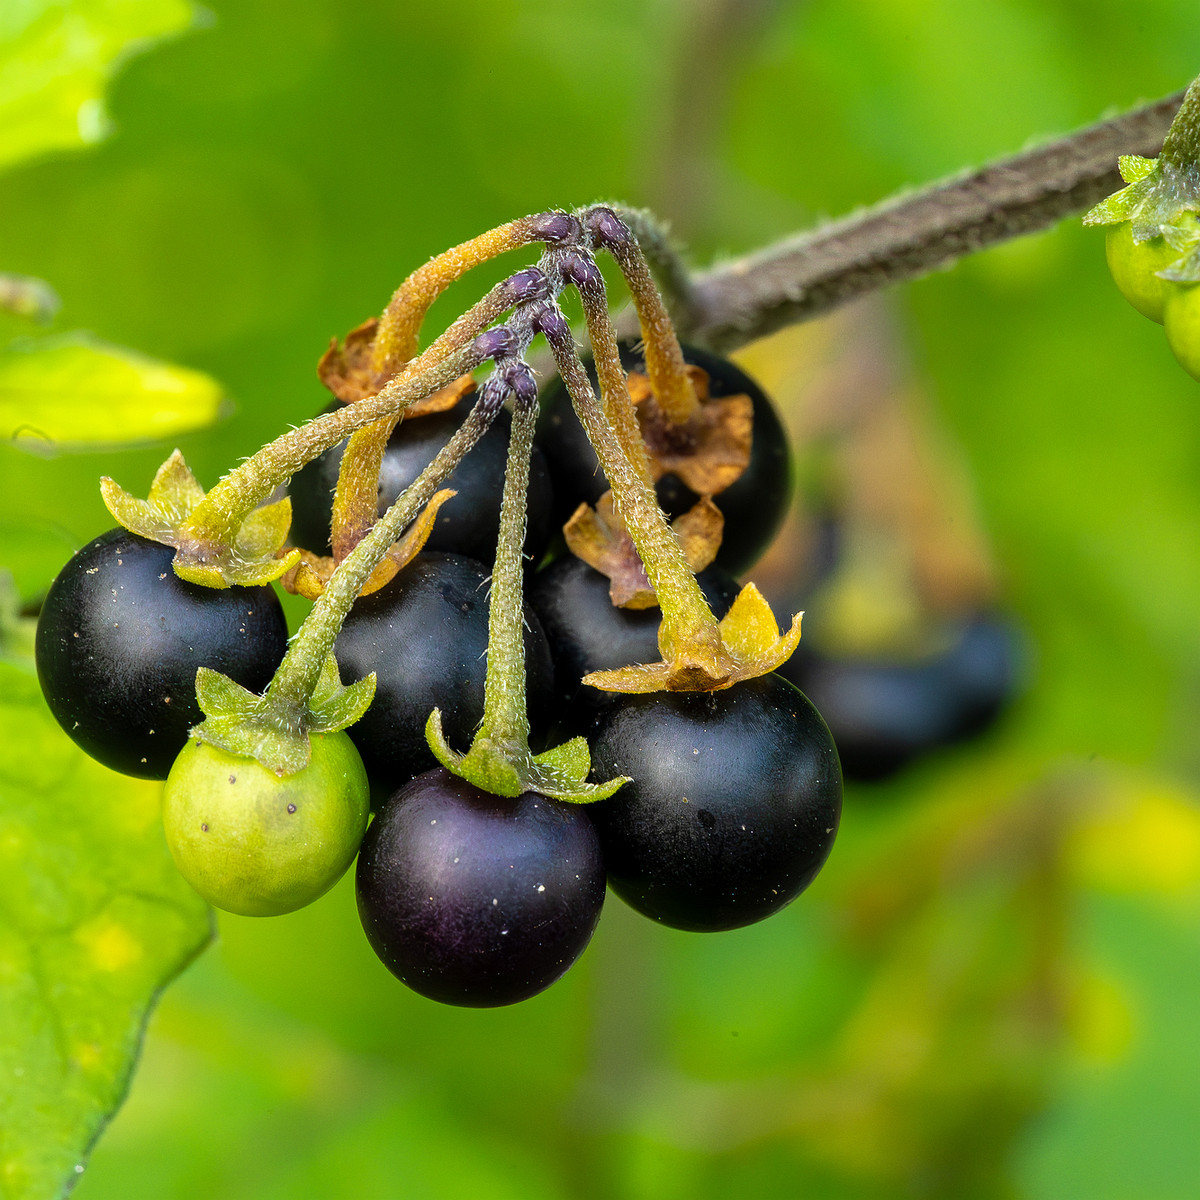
pixel 554 227
pixel 530 284
pixel 550 321
pixel 495 343
pixel 606 227
pixel 492 395
pixel 520 379
pixel 580 270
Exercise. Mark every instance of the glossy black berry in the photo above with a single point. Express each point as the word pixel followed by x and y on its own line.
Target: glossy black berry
pixel 119 640
pixel 885 713
pixel 753 506
pixel 734 804
pixel 425 637
pixel 466 524
pixel 475 899
pixel 588 633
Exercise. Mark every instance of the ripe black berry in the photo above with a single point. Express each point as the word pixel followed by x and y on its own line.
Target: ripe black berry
pixel 425 636
pixel 734 804
pixel 119 640
pixel 475 899
pixel 753 506
pixel 466 524
pixel 884 713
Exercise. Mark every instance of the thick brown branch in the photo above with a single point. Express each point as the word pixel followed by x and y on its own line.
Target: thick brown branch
pixel 915 233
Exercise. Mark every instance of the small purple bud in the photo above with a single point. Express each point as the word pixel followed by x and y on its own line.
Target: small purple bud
pixel 520 379
pixel 580 270
pixel 607 228
pixel 492 395
pixel 554 227
pixel 495 343
pixel 550 321
pixel 530 284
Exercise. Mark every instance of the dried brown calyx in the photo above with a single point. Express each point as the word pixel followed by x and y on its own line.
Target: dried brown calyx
pixel 346 370
pixel 710 449
pixel 599 537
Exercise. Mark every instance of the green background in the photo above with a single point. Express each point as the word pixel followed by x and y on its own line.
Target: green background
pixel 991 989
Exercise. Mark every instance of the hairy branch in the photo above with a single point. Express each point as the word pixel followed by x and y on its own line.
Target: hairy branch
pixel 915 233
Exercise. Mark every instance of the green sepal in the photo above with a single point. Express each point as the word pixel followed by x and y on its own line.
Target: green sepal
pixel 335 705
pixel 559 773
pixel 242 722
pixel 164 515
pixel 1183 236
pixel 1157 195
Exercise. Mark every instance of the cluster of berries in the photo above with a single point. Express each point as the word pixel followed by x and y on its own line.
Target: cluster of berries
pixel 526 653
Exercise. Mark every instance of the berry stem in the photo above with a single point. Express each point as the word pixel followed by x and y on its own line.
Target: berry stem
pixel 216 519
pixel 289 692
pixel 400 325
pixel 356 501
pixel 614 387
pixel 688 629
pixel 664 359
pixel 505 719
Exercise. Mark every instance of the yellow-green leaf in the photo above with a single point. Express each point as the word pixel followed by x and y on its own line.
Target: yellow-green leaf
pixel 72 392
pixel 56 58
pixel 94 920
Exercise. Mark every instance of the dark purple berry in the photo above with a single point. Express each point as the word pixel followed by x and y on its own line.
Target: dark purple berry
pixel 475 899
pixel 753 506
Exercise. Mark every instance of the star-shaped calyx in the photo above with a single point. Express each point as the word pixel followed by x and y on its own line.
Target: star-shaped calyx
pixel 248 557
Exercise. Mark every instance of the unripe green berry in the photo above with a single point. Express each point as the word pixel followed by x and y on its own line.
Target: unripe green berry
pixel 1182 321
pixel 1134 265
pixel 259 844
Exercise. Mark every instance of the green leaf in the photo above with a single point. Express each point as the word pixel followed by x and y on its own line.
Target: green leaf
pixel 56 58
pixel 74 392
pixel 94 921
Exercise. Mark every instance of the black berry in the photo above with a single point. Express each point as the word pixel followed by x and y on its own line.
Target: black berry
pixel 475 899
pixel 734 804
pixel 119 640
pixel 425 636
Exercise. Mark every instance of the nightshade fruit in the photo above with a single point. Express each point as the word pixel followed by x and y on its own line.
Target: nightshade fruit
pixel 734 804
pixel 474 899
pixel 425 637
pixel 120 637
pixel 1134 267
pixel 466 524
pixel 260 844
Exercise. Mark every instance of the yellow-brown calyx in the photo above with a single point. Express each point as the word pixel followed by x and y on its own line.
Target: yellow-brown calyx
pixel 598 536
pixel 309 577
pixel 346 370
pixel 708 451
pixel 750 645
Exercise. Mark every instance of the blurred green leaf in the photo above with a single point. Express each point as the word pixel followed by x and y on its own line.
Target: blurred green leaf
pixel 94 920
pixel 56 58
pixel 77 392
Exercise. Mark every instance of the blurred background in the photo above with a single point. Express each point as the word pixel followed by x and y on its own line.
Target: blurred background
pixel 991 989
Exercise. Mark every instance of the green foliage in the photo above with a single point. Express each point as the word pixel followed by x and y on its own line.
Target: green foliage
pixel 59 393
pixel 973 1001
pixel 57 57
pixel 95 921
